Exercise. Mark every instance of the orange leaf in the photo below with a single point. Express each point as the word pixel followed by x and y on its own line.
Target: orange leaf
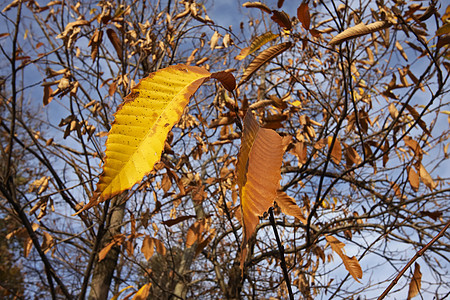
pixel 303 15
pixel 413 179
pixel 416 282
pixel 289 207
pixel 262 58
pixel 350 263
pixel 258 171
pixel 336 152
pixel 147 247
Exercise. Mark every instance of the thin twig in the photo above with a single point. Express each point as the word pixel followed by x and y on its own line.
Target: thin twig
pixel 412 260
pixel 281 249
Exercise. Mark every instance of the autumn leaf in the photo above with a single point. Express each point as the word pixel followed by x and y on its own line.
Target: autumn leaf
pixel 336 151
pixel 259 5
pixel 147 247
pixel 262 58
pixel 143 292
pixel 416 282
pixel 350 263
pixel 115 41
pixel 257 43
pixel 141 125
pixel 358 30
pixel 413 179
pixel 303 15
pixel 282 19
pixel 289 207
pixel 226 78
pixel 258 171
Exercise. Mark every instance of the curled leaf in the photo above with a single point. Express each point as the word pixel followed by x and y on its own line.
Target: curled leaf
pixel 359 30
pixel 262 58
pixel 259 5
pixel 257 43
pixel 416 282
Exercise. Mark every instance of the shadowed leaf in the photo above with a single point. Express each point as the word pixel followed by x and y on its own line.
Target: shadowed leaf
pixel 303 15
pixel 416 282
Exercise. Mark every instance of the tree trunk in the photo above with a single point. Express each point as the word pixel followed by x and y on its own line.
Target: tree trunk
pixel 104 269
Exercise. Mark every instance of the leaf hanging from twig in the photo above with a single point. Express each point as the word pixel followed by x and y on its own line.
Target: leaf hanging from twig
pixel 359 30
pixel 350 263
pixel 416 282
pixel 262 58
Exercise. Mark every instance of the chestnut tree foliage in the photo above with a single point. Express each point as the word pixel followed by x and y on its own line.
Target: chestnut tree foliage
pixel 300 155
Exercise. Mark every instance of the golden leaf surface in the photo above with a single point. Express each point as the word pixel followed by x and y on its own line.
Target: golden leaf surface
pixel 350 263
pixel 258 171
pixel 136 139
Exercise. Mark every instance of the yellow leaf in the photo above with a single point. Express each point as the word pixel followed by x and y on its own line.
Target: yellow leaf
pixel 416 282
pixel 350 263
pixel 358 30
pixel 257 43
pixel 262 58
pixel 444 29
pixel 143 292
pixel 116 296
pixel 258 171
pixel 141 125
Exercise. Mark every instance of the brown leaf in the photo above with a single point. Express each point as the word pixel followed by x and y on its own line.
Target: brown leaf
pixel 115 41
pixel 413 179
pixel 303 15
pixel 160 248
pixel 416 282
pixel 177 220
pixel 282 19
pixel 417 118
pixel 47 95
pixel 226 78
pixel 280 3
pixel 289 206
pixel 147 247
pixel 400 48
pixel 262 58
pixel 259 5
pixel 359 30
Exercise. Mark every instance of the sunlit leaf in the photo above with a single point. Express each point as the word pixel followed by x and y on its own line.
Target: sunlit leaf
pixel 336 151
pixel 426 178
pixel 116 296
pixel 143 292
pixel 359 30
pixel 257 43
pixel 141 125
pixel 258 171
pixel 351 263
pixel 416 282
pixel 444 29
pixel 259 5
pixel 413 179
pixel 262 58
pixel 289 206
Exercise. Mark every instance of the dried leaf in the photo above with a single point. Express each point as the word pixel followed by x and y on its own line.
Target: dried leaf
pixel 413 179
pixel 444 29
pixel 282 19
pixel 258 171
pixel 400 48
pixel 262 58
pixel 426 178
pixel 257 43
pixel 147 247
pixel 47 95
pixel 115 41
pixel 259 5
pixel 226 78
pixel 303 15
pixel 177 220
pixel 417 118
pixel 336 152
pixel 351 264
pixel 359 30
pixel 214 40
pixel 416 282
pixel 289 207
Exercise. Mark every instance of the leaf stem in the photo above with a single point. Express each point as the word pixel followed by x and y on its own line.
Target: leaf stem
pixel 281 249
